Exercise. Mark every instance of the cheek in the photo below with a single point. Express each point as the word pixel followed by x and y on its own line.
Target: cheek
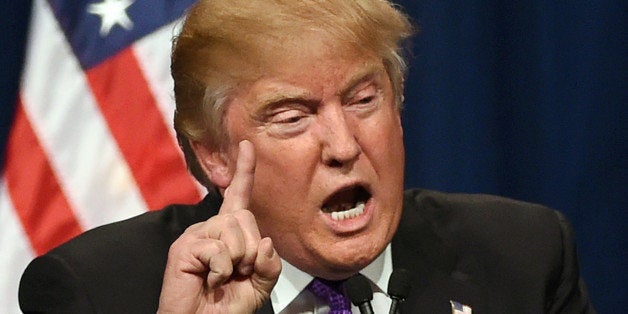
pixel 283 175
pixel 382 139
pixel 288 164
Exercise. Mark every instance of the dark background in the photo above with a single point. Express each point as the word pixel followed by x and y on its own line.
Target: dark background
pixel 526 99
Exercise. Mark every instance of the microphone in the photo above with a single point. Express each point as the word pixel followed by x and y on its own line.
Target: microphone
pixel 398 288
pixel 360 293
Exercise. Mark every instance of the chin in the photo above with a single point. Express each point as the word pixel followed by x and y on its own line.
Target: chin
pixel 349 257
pixel 339 270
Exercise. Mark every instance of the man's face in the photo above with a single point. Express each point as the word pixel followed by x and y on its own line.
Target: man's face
pixel 329 172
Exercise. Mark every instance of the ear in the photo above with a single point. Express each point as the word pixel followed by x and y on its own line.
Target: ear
pixel 214 163
pixel 399 121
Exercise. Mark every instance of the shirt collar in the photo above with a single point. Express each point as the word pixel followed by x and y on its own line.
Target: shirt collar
pixel 292 280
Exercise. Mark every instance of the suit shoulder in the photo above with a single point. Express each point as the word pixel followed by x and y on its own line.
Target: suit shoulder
pixel 110 267
pixel 506 246
pixel 161 226
pixel 457 201
pixel 481 208
pixel 489 225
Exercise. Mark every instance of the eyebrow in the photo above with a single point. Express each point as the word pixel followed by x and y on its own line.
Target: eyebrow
pixel 270 100
pixel 370 71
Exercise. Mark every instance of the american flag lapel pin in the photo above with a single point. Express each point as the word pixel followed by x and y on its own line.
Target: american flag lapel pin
pixel 459 308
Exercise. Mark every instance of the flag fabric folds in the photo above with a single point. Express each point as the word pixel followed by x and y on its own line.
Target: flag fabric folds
pixel 92 141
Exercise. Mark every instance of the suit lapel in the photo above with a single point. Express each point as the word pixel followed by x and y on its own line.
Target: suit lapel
pixel 439 274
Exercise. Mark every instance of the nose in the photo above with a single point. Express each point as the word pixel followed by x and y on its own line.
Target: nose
pixel 340 148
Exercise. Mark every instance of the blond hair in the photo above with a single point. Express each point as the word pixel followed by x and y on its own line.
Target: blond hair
pixel 227 43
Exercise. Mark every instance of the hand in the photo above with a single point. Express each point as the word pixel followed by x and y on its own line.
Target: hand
pixel 222 265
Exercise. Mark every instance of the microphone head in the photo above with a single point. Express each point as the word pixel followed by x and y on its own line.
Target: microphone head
pixel 358 289
pixel 399 284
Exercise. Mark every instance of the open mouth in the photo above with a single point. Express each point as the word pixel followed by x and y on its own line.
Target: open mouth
pixel 346 203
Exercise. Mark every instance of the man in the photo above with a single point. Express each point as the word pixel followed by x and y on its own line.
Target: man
pixel 289 113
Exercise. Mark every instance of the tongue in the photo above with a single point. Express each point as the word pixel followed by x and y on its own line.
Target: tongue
pixel 340 207
pixel 341 201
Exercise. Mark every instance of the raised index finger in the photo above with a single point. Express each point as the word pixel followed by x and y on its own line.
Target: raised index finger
pixel 238 193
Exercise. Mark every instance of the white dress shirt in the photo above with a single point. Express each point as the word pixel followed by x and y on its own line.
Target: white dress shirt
pixel 290 296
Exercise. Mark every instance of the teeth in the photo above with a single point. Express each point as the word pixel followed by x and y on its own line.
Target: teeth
pixel 350 213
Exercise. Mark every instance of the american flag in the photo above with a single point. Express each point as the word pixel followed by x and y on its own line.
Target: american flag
pixel 459 308
pixel 91 142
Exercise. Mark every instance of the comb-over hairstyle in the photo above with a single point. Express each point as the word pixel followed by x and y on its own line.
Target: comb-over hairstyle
pixel 226 44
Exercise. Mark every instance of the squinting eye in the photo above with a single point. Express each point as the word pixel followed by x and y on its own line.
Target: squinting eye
pixel 288 123
pixel 366 100
pixel 291 119
pixel 364 96
pixel 287 117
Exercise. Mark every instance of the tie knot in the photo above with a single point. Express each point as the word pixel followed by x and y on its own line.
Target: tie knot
pixel 332 292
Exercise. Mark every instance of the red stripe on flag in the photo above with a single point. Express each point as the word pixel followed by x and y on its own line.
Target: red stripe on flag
pixel 137 125
pixel 35 192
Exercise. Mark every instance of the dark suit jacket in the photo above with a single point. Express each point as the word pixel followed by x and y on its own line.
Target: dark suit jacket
pixel 493 254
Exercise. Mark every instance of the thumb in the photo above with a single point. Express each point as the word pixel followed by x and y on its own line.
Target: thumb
pixel 266 269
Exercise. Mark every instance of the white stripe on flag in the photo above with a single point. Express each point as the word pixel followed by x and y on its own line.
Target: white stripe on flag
pixel 91 170
pixel 153 55
pixel 150 51
pixel 16 252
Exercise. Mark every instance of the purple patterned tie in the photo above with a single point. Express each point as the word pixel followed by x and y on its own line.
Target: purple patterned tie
pixel 332 292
